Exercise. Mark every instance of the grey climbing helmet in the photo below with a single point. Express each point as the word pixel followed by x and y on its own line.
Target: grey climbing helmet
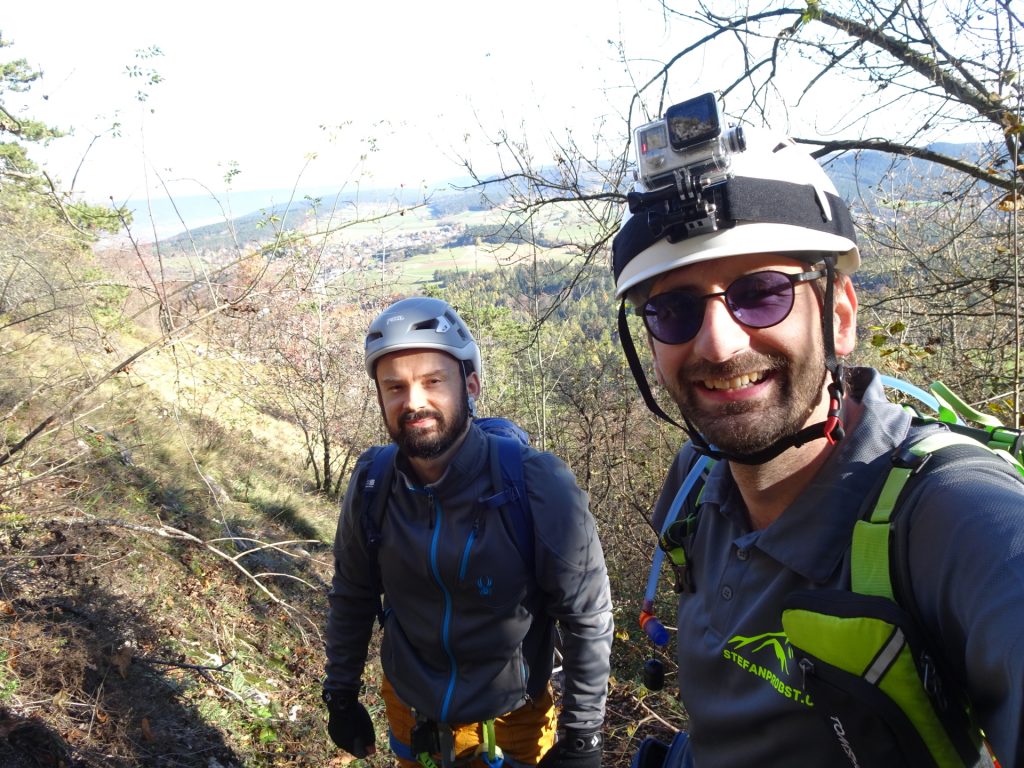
pixel 421 323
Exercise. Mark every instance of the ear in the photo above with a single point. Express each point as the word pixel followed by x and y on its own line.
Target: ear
pixel 657 365
pixel 845 316
pixel 473 385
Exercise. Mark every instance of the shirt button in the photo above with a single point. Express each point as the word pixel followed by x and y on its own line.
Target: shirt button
pixel 726 592
pixel 742 554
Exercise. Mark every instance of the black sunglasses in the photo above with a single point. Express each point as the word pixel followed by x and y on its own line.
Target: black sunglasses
pixel 757 300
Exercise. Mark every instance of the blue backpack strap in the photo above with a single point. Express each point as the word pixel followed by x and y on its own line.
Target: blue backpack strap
pixel 510 492
pixel 496 425
pixel 677 533
pixel 378 476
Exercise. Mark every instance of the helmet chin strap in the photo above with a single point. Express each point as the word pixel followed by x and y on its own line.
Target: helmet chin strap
pixel 831 429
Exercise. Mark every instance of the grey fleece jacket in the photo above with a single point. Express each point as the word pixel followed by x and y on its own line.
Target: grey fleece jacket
pixel 468 631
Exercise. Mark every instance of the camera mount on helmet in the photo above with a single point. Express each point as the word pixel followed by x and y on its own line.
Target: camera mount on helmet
pixel 678 158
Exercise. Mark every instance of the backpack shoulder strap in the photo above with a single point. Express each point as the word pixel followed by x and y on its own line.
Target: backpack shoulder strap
pixel 873 536
pixel 375 482
pixel 378 476
pixel 676 532
pixel 879 555
pixel 506 463
pixel 674 539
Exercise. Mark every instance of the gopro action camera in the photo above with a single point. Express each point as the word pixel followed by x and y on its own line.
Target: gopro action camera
pixel 688 147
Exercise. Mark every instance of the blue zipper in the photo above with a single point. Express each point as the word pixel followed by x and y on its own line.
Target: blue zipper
pixel 465 553
pixel 447 621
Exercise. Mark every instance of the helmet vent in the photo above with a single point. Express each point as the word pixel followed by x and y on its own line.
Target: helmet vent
pixel 420 323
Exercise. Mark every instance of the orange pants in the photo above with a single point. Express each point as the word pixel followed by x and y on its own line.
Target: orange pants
pixel 523 735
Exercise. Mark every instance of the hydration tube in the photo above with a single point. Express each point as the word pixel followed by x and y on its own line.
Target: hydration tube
pixel 649 622
pixel 940 407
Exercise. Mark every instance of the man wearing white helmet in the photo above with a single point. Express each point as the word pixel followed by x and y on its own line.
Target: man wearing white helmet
pixel 472 592
pixel 737 253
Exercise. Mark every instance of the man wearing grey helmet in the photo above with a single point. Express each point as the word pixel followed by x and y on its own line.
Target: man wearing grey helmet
pixel 469 609
pixel 850 577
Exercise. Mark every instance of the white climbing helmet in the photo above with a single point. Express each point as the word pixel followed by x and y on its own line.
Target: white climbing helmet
pixel 777 199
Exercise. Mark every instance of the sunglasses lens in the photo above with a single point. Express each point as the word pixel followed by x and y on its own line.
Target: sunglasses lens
pixel 760 300
pixel 675 317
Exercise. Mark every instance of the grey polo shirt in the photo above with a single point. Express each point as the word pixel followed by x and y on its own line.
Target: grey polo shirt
pixel 738 677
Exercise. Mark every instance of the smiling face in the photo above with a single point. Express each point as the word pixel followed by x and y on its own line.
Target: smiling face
pixel 423 399
pixel 746 388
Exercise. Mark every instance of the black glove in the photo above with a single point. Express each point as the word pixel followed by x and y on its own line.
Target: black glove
pixel 576 749
pixel 349 723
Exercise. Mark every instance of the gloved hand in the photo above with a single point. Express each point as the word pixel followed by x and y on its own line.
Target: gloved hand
pixel 349 723
pixel 576 749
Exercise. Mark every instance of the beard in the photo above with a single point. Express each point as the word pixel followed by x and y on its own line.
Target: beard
pixel 429 443
pixel 746 427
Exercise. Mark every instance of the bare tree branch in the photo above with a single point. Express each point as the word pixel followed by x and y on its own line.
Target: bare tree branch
pixel 897 148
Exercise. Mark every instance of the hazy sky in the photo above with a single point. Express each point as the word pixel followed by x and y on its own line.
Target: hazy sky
pixel 264 85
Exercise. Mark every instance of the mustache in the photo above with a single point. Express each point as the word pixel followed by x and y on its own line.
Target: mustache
pixel 422 413
pixel 737 366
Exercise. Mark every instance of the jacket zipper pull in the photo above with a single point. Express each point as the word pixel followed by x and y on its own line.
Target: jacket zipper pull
pixel 464 561
pixel 806 668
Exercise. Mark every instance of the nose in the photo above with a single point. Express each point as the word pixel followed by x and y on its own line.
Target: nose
pixel 416 397
pixel 720 337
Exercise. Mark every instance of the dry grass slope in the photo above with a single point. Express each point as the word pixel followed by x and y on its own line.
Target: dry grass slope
pixel 144 621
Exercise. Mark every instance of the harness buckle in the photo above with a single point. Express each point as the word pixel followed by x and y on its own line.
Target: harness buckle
pixel 424 738
pixel 904 458
pixel 932 682
pixel 429 738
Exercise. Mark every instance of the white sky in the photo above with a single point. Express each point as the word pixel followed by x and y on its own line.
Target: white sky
pixel 253 82
pixel 264 85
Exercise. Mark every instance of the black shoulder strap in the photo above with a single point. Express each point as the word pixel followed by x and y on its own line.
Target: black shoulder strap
pixel 377 478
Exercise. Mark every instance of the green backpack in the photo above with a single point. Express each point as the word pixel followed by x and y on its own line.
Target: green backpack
pixel 865 663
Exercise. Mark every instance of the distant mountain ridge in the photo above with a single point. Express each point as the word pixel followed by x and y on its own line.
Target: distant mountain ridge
pixel 212 217
pixel 853 173
pixel 206 216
